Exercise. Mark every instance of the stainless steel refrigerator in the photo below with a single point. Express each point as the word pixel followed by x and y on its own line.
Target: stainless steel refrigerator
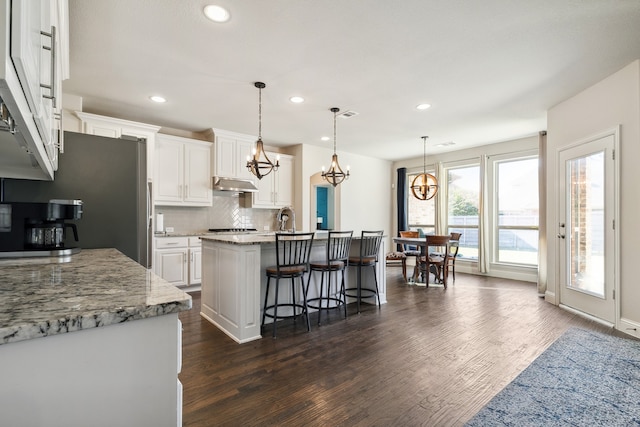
pixel 110 176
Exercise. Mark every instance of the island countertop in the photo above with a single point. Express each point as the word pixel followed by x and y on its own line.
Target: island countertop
pixel 94 288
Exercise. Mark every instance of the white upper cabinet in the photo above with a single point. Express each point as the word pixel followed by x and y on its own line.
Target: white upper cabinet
pixel 182 172
pixel 276 189
pixel 33 62
pixel 230 154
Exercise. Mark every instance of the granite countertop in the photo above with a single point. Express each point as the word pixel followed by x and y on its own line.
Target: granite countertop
pixel 96 287
pixel 242 239
pixel 258 238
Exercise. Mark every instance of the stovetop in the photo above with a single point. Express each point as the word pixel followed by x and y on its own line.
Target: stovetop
pixel 231 230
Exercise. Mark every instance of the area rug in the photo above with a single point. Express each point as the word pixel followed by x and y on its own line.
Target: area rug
pixel 584 378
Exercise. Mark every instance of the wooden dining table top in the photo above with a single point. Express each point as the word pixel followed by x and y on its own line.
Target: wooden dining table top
pixel 415 241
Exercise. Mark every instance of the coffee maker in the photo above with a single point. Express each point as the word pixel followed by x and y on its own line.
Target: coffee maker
pixel 38 229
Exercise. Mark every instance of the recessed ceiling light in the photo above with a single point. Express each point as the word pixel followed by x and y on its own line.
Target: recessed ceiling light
pixel 216 13
pixel 422 106
pixel 158 99
pixel 325 138
pixel 296 99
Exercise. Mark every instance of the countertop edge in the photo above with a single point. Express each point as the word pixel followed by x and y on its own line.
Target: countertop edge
pixel 70 323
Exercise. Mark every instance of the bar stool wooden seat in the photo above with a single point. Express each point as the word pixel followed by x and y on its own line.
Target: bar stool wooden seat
pixel 337 256
pixel 369 247
pixel 292 262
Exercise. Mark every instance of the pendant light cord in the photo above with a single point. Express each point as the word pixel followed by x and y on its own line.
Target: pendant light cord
pixel 259 113
pixel 424 155
pixel 335 114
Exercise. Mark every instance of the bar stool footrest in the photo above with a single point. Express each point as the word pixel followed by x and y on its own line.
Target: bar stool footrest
pixel 372 293
pixel 286 316
pixel 338 302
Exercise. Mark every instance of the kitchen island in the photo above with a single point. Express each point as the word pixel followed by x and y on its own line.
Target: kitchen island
pixel 234 279
pixel 90 339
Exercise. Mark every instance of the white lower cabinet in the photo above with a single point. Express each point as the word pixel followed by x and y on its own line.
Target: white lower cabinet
pixel 178 260
pixel 195 261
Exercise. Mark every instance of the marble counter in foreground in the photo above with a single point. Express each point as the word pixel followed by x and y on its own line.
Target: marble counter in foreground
pixel 96 287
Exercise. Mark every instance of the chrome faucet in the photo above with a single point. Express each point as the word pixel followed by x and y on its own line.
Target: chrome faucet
pixel 282 218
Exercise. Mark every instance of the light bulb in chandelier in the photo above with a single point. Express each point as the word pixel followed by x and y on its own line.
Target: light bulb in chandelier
pixel 259 163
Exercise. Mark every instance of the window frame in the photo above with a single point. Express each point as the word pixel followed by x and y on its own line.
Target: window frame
pixel 494 213
pixel 461 164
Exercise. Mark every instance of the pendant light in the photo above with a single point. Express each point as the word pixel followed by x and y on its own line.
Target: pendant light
pixel 335 175
pixel 259 164
pixel 425 185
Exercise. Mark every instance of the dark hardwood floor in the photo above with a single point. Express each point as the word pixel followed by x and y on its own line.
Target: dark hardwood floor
pixel 428 357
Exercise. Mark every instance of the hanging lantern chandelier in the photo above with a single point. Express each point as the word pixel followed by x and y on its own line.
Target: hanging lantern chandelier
pixel 425 185
pixel 259 164
pixel 335 175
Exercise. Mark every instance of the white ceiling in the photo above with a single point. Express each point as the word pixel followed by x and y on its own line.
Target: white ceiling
pixel 490 69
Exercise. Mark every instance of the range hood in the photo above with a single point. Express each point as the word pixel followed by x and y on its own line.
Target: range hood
pixel 233 184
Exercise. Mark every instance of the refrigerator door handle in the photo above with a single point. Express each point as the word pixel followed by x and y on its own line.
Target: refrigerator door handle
pixel 149 224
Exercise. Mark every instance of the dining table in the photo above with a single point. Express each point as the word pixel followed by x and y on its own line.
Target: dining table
pixel 420 242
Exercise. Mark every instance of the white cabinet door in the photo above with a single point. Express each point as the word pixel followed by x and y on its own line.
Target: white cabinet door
pixel 244 148
pixel 225 155
pixel 169 174
pixel 265 195
pixel 197 173
pixel 26 52
pixel 182 171
pixel 171 265
pixel 230 154
pixel 276 189
pixel 284 184
pixel 195 266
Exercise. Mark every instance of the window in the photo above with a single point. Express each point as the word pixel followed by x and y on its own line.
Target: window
pixel 463 190
pixel 517 211
pixel 421 213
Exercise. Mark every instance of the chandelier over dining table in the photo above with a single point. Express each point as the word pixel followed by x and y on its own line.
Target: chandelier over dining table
pixel 425 185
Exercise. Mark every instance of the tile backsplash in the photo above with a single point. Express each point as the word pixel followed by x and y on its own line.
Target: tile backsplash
pixel 226 212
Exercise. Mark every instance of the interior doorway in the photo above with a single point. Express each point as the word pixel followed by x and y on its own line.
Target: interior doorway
pixel 324 204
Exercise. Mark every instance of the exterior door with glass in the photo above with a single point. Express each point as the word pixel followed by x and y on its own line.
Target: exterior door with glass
pixel 586 233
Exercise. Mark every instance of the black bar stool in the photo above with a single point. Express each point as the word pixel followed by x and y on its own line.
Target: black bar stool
pixel 369 247
pixel 338 245
pixel 292 261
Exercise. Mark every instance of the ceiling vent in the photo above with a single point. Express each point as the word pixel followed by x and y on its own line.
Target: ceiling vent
pixel 348 114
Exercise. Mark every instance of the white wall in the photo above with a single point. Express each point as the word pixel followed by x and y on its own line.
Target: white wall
pixel 364 199
pixel 611 102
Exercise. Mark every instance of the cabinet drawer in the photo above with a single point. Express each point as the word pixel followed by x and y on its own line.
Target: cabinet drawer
pixel 195 242
pixel 171 242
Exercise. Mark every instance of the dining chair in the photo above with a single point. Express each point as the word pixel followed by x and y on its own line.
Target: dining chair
pixel 454 244
pixel 368 257
pixel 292 262
pixel 397 259
pixel 411 250
pixel 436 254
pixel 336 259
